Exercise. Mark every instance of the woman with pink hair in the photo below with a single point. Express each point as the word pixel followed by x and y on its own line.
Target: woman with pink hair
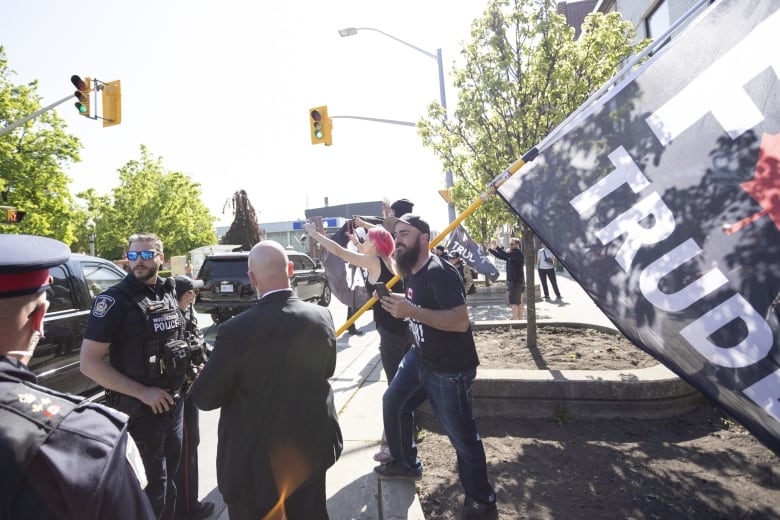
pixel 374 256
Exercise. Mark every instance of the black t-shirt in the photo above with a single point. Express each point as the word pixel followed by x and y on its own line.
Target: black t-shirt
pixel 381 316
pixel 437 286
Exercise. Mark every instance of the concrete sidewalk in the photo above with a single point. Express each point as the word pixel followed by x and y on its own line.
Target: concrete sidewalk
pixel 353 490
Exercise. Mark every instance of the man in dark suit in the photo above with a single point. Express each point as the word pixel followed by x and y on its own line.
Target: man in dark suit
pixel 278 428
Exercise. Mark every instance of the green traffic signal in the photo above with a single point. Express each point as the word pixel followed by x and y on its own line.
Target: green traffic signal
pixel 317 118
pixel 320 126
pixel 84 87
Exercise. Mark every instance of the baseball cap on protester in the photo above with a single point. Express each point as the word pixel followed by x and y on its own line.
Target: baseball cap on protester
pixel 185 283
pixel 402 207
pixel 25 261
pixel 413 220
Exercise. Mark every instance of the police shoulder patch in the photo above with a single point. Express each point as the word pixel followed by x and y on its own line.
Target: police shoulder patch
pixel 102 305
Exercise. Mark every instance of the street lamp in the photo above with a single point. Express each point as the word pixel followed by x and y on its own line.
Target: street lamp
pixel 351 31
pixel 91 229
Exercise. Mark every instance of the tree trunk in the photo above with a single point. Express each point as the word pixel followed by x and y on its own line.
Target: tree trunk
pixel 530 283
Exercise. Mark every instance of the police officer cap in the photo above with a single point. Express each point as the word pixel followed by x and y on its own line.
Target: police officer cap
pixel 25 261
pixel 185 283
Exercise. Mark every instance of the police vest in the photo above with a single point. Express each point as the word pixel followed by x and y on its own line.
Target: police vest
pixel 160 357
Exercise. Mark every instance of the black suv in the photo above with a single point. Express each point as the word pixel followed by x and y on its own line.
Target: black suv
pixel 226 289
pixel 75 284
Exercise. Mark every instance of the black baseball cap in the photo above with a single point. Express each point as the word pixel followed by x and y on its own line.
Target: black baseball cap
pixel 185 283
pixel 413 220
pixel 25 261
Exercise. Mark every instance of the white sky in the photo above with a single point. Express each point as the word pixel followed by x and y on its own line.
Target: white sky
pixel 221 90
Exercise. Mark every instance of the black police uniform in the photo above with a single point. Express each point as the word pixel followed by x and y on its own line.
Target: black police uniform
pixel 141 323
pixel 63 457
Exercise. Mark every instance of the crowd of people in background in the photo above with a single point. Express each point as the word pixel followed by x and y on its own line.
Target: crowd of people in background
pixel 279 433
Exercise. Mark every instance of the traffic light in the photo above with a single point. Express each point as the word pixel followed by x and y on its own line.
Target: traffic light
pixel 112 103
pixel 321 126
pixel 13 215
pixel 83 88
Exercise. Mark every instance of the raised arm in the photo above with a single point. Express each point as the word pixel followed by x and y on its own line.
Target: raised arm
pixel 369 262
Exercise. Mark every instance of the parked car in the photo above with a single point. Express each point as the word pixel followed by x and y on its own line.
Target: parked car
pixel 226 289
pixel 75 285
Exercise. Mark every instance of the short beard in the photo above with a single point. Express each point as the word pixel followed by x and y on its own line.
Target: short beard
pixel 152 272
pixel 406 260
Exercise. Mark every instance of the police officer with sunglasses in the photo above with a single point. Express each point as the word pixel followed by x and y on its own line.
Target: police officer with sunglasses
pixel 138 324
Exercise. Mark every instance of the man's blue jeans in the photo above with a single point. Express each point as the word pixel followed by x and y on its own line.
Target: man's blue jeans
pixel 451 400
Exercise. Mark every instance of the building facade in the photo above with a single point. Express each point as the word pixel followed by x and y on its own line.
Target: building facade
pixel 651 18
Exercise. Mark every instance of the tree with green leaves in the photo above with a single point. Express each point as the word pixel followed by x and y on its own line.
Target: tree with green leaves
pixel 33 158
pixel 524 73
pixel 150 198
pixel 244 229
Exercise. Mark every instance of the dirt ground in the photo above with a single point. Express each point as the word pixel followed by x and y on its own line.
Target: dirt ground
pixel 701 465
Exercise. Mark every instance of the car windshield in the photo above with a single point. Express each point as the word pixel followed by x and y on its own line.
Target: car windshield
pixel 232 268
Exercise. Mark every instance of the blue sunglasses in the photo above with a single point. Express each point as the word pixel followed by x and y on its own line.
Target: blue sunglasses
pixel 145 255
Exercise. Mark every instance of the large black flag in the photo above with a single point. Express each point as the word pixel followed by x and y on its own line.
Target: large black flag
pixel 460 241
pixel 663 201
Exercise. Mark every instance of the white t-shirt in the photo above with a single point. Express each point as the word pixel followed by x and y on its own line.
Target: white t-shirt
pixel 545 259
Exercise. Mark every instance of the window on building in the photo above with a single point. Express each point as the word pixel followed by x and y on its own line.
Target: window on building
pixel 658 21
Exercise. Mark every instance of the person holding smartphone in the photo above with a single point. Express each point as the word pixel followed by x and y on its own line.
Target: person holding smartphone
pixel 374 255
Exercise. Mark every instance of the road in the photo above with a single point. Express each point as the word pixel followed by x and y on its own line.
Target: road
pixel 356 360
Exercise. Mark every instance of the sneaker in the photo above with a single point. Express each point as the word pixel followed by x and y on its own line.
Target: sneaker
pixel 394 470
pixel 474 509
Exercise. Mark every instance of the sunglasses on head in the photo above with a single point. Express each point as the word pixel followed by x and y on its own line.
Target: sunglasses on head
pixel 145 255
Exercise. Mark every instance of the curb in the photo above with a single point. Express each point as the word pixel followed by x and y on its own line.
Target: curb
pixel 654 392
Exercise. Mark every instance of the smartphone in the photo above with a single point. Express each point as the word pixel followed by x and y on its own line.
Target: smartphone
pixel 381 290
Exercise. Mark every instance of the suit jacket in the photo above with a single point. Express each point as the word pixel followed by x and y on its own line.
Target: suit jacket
pixel 269 373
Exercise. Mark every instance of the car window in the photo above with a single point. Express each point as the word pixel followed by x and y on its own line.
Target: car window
pixel 230 269
pixel 60 293
pixel 99 277
pixel 303 262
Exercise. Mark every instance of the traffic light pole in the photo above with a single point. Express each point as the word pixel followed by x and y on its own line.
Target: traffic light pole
pixel 377 120
pixel 35 114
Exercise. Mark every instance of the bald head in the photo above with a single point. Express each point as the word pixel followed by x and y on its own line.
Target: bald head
pixel 269 267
